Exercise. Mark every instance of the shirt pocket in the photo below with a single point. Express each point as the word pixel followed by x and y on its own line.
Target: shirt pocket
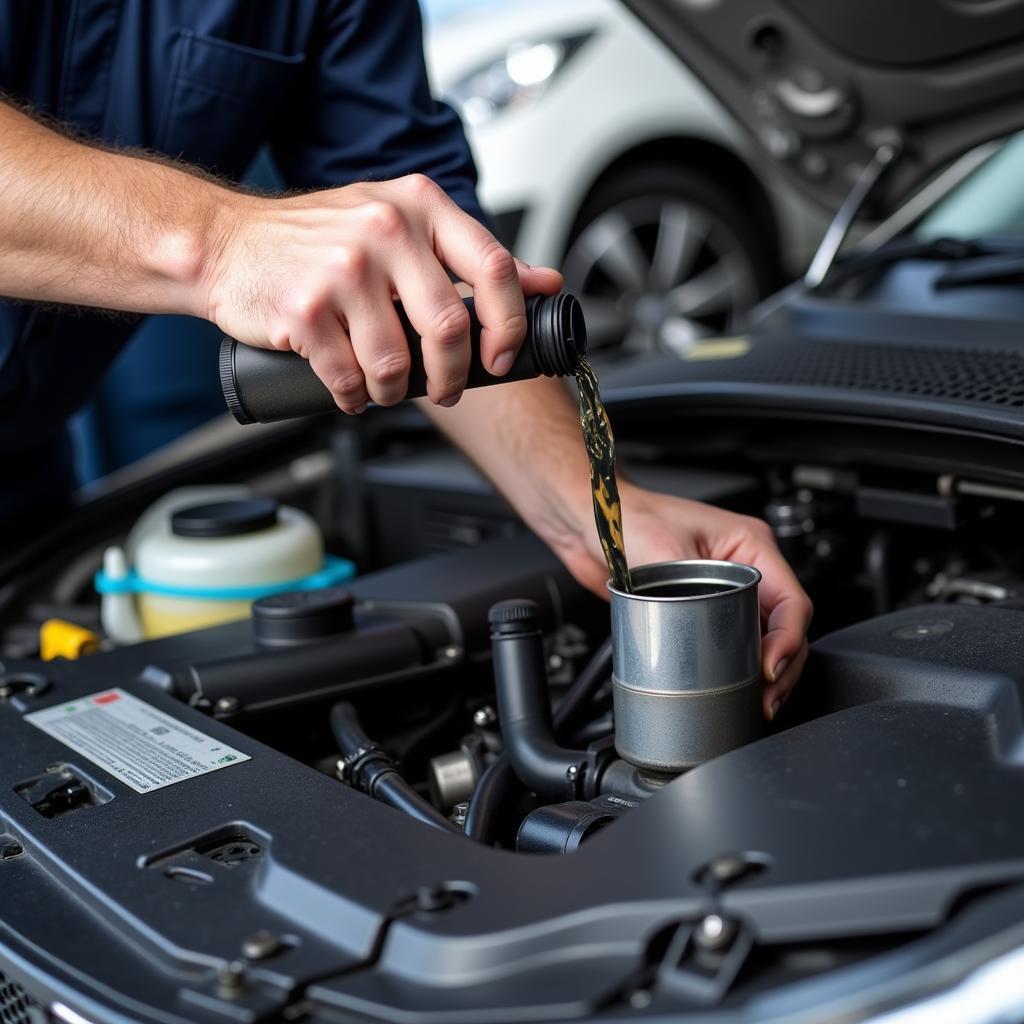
pixel 222 101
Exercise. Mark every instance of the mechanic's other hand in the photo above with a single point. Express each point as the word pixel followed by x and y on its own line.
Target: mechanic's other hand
pixel 318 274
pixel 661 528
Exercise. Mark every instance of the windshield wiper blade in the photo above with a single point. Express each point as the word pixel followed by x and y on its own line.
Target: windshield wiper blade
pixel 993 270
pixel 908 248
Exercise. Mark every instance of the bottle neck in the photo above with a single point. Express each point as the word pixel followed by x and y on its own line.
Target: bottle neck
pixel 558 334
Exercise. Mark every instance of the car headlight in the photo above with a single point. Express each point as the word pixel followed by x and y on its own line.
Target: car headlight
pixel 519 76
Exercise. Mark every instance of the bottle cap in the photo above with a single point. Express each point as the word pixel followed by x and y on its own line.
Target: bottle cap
pixel 225 518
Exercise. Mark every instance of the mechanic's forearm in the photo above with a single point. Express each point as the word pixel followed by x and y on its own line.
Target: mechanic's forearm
pixel 85 226
pixel 526 437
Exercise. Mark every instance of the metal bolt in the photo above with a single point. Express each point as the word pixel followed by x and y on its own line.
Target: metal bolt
pixel 260 945
pixel 6 692
pixel 460 812
pixel 728 867
pixel 451 653
pixel 640 999
pixel 231 979
pixel 485 716
pixel 555 662
pixel 814 165
pixel 432 898
pixel 714 932
pixel 226 705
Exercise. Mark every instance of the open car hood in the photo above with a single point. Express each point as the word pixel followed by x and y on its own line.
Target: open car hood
pixel 822 86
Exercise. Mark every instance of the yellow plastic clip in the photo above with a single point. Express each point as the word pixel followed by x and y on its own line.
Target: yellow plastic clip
pixel 61 639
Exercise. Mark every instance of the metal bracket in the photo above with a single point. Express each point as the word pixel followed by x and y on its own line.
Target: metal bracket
pixel 883 158
pixel 704 958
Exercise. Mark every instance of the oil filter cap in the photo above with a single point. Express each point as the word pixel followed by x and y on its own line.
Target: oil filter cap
pixel 302 616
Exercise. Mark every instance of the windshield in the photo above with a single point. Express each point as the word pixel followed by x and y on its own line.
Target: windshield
pixel 990 202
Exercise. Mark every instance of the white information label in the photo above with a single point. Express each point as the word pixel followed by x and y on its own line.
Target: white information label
pixel 134 741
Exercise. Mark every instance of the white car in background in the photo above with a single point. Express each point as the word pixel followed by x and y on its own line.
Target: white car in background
pixel 600 153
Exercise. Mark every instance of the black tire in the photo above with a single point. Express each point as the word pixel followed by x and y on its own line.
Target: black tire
pixel 635 196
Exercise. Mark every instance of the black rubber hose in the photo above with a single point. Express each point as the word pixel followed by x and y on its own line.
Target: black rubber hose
pixel 499 782
pixel 369 768
pixel 394 791
pixel 578 697
pixel 524 705
pixel 494 790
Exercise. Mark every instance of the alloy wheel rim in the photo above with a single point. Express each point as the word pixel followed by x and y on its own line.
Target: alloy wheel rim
pixel 658 274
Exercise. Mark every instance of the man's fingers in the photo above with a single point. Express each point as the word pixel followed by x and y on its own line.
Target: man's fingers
pixel 479 259
pixel 784 646
pixel 775 693
pixel 785 610
pixel 788 620
pixel 334 362
pixel 348 325
pixel 441 319
pixel 538 280
pixel 379 343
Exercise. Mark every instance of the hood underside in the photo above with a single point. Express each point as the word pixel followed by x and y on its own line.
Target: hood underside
pixel 823 86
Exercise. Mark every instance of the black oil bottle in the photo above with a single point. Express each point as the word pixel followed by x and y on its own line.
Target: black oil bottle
pixel 263 386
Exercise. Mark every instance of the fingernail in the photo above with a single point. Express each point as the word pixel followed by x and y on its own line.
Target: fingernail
pixel 780 667
pixel 774 710
pixel 359 408
pixel 502 363
pixel 447 403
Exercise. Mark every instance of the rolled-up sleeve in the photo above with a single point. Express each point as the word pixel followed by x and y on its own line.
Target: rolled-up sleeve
pixel 363 109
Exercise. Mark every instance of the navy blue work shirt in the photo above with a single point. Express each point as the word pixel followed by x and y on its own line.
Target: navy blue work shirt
pixel 336 88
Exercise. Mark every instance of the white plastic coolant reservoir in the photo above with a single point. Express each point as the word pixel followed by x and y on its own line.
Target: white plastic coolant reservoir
pixel 198 555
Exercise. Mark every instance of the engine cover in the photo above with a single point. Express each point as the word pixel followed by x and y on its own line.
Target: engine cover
pixel 887 796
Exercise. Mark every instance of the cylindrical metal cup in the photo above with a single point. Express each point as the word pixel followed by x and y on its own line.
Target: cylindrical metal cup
pixel 686 663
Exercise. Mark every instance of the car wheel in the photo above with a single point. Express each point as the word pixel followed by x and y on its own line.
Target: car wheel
pixel 661 257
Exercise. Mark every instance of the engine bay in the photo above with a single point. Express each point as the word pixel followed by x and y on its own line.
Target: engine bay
pixel 863 834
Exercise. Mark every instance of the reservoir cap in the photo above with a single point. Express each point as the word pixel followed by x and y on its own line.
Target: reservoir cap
pixel 302 616
pixel 225 518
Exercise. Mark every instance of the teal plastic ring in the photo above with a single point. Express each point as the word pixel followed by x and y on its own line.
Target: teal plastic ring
pixel 334 571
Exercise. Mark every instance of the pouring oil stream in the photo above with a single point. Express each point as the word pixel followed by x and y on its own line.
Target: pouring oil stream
pixel 600 444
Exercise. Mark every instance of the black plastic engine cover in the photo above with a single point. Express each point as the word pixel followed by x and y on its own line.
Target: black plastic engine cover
pixel 873 819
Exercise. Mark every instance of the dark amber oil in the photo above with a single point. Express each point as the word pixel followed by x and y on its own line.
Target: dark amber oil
pixel 687 588
pixel 600 445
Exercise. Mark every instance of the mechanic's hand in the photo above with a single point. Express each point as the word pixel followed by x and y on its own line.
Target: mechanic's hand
pixel 660 528
pixel 318 274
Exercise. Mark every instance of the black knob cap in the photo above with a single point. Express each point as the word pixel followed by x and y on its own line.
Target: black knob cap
pixel 509 618
pixel 225 518
pixel 302 617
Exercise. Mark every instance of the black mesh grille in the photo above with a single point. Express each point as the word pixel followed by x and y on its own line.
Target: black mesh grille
pixel 14 1002
pixel 975 376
